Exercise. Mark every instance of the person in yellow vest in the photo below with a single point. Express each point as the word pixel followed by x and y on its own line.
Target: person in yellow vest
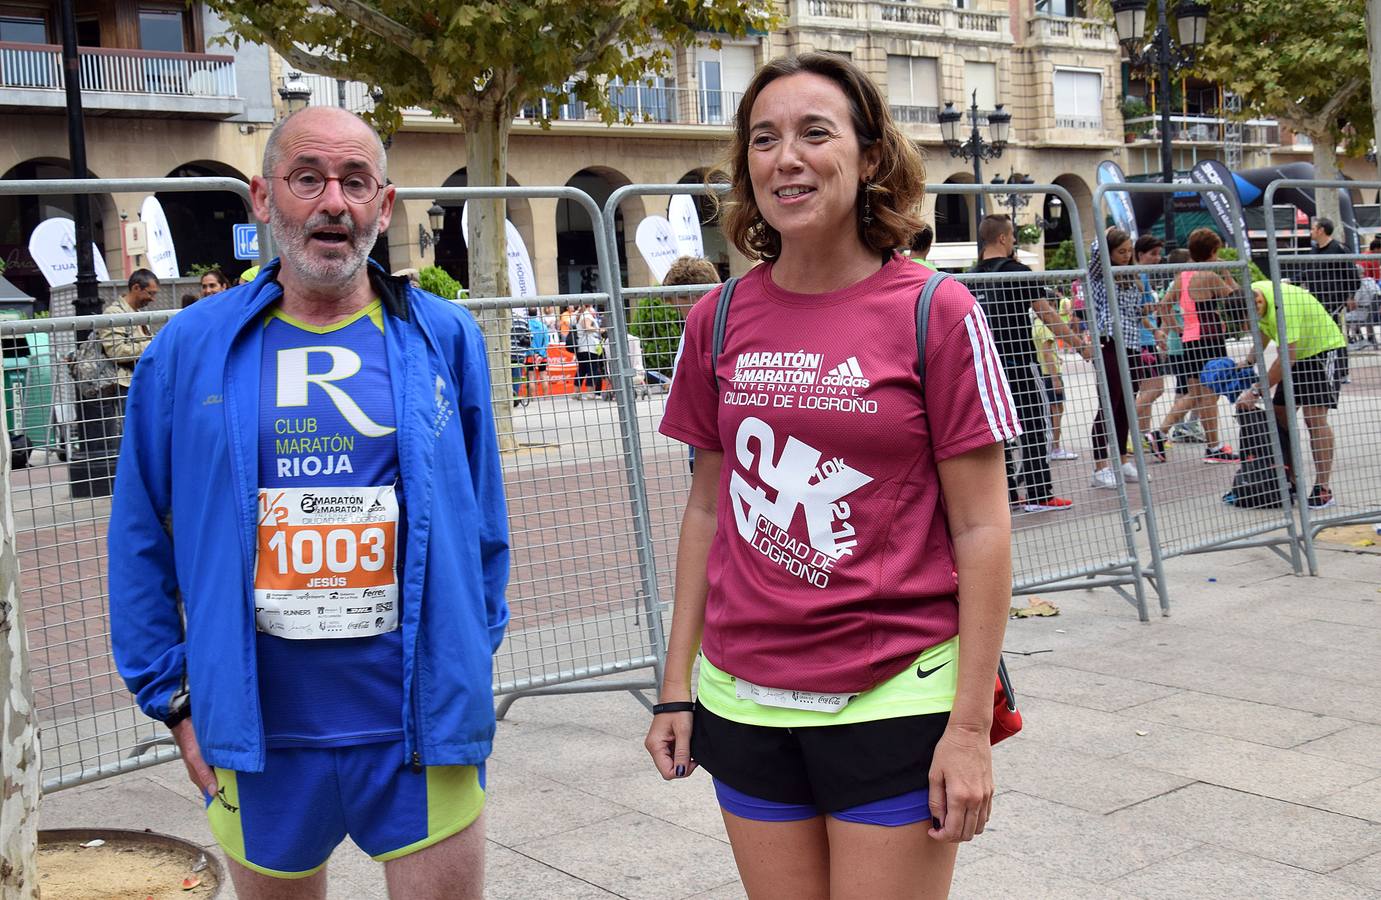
pixel 1314 343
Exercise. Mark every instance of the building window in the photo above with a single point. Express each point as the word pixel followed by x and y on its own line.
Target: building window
pixel 1078 99
pixel 981 77
pixel 913 88
pixel 161 30
pixel 22 29
pixel 1072 9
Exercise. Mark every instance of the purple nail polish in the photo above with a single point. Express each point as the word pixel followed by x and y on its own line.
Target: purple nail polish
pixel 680 771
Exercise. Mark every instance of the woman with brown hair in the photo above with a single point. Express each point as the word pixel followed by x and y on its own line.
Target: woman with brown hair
pixel 1199 297
pixel 1128 299
pixel 847 527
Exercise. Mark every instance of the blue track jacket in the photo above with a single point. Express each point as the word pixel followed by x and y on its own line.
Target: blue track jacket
pixel 182 525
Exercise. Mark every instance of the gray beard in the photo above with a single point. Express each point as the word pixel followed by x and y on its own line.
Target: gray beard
pixel 292 248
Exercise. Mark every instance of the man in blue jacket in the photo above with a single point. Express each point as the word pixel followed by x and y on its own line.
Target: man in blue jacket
pixel 308 543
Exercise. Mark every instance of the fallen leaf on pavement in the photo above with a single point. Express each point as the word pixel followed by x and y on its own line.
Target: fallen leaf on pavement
pixel 1037 607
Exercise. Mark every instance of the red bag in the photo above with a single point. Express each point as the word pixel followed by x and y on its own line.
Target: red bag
pixel 1006 716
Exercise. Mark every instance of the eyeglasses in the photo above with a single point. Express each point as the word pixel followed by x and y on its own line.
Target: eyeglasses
pixel 307 183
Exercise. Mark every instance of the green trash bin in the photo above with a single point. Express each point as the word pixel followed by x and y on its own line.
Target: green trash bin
pixel 15 351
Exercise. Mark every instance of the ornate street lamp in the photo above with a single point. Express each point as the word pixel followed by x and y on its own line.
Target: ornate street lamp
pixel 1162 56
pixel 974 147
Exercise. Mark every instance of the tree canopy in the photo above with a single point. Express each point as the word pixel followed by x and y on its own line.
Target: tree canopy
pixel 1301 61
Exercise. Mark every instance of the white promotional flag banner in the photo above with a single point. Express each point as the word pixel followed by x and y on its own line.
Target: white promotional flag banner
pixel 53 246
pixel 657 244
pixel 162 256
pixel 522 281
pixel 685 224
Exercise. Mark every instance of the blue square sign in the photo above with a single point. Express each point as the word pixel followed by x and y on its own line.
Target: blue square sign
pixel 246 241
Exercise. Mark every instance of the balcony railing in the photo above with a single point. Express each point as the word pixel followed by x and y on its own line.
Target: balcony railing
pixel 1062 31
pixel 899 17
pixel 643 103
pixel 106 70
pixel 1205 130
pixel 1085 123
pixel 916 115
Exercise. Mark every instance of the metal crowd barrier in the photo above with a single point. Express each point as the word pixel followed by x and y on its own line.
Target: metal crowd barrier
pixel 1332 397
pixel 1090 544
pixel 60 489
pixel 1187 506
pixel 582 594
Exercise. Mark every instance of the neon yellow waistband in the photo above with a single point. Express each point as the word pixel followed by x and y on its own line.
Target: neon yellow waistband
pixel 904 694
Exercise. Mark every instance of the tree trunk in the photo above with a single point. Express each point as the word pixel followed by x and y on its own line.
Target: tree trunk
pixel 20 789
pixel 486 161
pixel 1326 169
pixel 1374 58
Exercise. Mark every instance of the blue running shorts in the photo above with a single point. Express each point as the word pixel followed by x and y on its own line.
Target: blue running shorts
pixel 286 820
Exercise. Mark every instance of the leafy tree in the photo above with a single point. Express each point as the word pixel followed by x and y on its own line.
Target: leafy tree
pixel 1303 62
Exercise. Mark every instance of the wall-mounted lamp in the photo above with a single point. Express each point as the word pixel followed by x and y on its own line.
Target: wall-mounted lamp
pixel 436 217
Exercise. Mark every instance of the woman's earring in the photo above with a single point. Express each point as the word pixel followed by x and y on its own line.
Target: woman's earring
pixel 867 204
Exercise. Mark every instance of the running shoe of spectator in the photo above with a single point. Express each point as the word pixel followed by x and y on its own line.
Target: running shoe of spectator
pixel 1104 478
pixel 1155 445
pixel 1130 473
pixel 1060 454
pixel 1221 454
pixel 1320 497
pixel 1050 504
pixel 1188 432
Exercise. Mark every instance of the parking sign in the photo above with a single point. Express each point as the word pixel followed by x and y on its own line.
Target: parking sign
pixel 246 241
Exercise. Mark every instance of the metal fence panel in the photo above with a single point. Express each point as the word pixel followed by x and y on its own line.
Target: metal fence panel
pixel 1188 497
pixel 1089 543
pixel 1332 397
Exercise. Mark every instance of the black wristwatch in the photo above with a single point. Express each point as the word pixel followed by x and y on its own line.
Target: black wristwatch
pixel 674 706
pixel 179 715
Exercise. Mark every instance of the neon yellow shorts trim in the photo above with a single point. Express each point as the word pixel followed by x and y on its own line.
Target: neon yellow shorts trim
pixel 924 687
pixel 286 820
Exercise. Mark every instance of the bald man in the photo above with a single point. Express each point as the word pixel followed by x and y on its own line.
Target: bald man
pixel 308 543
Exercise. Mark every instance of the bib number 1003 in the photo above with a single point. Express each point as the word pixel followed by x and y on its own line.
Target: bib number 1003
pixel 340 550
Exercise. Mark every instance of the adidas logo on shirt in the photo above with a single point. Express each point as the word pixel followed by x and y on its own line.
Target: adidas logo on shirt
pixel 846 374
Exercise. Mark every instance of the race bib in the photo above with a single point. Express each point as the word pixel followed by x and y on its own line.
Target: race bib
pixel 325 565
pixel 765 696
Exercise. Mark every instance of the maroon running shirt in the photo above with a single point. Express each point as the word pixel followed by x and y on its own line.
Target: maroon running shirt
pixel 832 566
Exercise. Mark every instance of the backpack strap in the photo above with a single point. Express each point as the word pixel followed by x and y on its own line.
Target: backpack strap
pixel 721 317
pixel 923 302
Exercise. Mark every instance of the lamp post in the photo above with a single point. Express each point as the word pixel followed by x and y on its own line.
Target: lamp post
pixel 436 218
pixel 974 147
pixel 1163 55
pixel 1013 201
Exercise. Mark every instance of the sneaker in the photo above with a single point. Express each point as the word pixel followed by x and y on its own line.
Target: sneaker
pixel 1060 454
pixel 1104 478
pixel 1320 497
pixel 1155 443
pixel 1131 474
pixel 1054 504
pixel 1221 454
pixel 1188 433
